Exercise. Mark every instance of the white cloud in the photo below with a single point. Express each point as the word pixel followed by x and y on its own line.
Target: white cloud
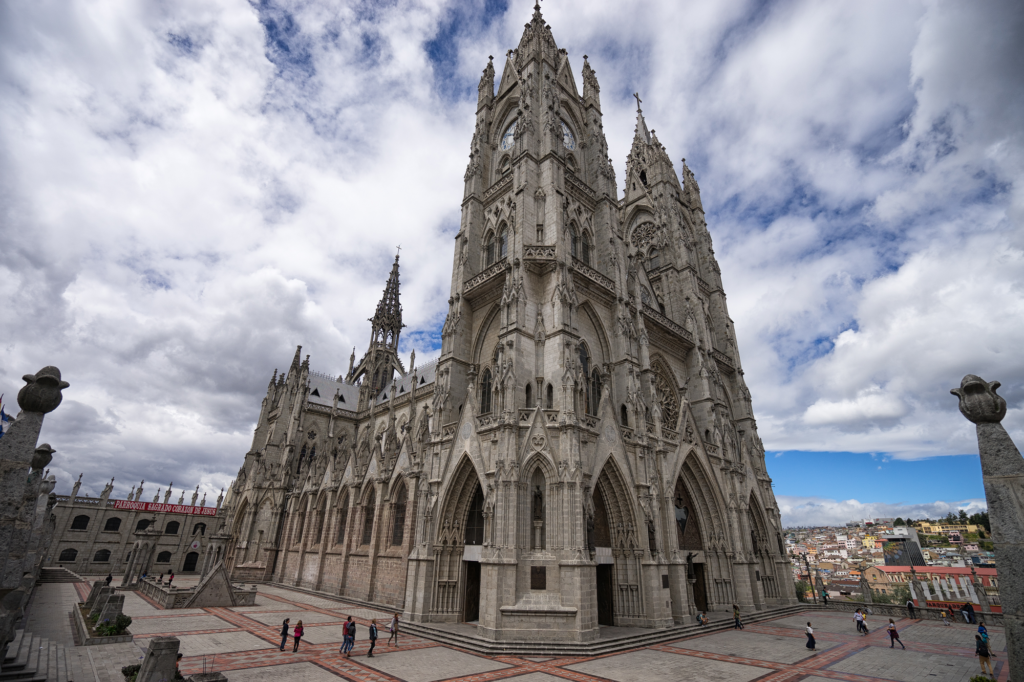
pixel 819 511
pixel 192 189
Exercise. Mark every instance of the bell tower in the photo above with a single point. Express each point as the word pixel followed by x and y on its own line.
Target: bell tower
pixel 381 361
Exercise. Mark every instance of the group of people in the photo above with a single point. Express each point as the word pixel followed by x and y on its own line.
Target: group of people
pixel 349 632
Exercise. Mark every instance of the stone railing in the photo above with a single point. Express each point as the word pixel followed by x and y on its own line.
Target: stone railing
pixel 896 611
pixel 492 270
pixel 176 597
pixel 676 329
pixel 79 500
pixel 592 274
pixel 539 253
pixel 498 187
pixel 575 183
pixel 723 359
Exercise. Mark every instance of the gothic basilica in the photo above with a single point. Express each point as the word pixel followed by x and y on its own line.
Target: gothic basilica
pixel 582 453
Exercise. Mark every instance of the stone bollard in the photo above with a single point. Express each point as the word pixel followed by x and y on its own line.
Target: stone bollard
pixel 160 662
pixel 101 600
pixel 1002 470
pixel 94 592
pixel 112 609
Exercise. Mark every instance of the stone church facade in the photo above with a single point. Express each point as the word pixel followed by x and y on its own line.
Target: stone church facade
pixel 582 453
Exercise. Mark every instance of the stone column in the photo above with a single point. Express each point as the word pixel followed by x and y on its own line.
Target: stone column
pixel 21 483
pixel 1002 470
pixel 160 661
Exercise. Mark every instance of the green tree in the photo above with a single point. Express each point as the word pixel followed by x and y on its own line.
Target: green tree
pixel 980 519
pixel 962 516
pixel 951 518
pixel 899 522
pixel 802 588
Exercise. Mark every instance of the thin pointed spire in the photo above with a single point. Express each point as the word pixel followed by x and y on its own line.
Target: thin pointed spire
pixel 297 360
pixel 641 125
pixel 387 320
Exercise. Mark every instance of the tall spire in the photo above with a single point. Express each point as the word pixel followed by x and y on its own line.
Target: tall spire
pixel 387 321
pixel 641 132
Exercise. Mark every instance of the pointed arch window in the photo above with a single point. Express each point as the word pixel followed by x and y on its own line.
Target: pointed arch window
pixel 653 259
pixel 529 395
pixel 623 416
pixel 550 398
pixel 398 525
pixel 585 252
pixel 368 512
pixel 489 248
pixel 574 242
pixel 342 518
pixel 503 243
pixel 475 518
pixel 485 392
pixel 537 490
pixel 594 397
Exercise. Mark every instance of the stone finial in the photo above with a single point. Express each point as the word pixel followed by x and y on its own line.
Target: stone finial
pixel 42 456
pixel 42 390
pixel 979 401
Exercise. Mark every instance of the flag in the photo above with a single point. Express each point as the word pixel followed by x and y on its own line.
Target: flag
pixel 4 419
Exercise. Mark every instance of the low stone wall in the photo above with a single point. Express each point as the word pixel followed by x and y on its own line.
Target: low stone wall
pixel 897 611
pixel 175 598
pixel 87 639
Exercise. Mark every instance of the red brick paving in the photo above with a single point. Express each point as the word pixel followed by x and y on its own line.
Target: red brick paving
pixel 326 656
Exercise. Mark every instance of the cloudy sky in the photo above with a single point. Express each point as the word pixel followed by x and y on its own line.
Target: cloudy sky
pixel 190 189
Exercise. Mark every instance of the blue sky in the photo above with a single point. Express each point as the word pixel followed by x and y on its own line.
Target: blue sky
pixel 194 188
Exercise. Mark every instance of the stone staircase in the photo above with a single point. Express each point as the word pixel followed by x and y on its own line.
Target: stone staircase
pixel 58 575
pixel 595 648
pixel 31 658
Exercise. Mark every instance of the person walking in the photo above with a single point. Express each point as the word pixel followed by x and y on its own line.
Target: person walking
pixel 284 633
pixel 864 621
pixel 858 618
pixel 297 634
pixel 824 596
pixel 945 617
pixel 983 631
pixel 965 613
pixel 811 644
pixel 394 630
pixel 350 638
pixel 170 579
pixel 110 577
pixel 982 651
pixel 910 608
pixel 373 637
pixel 970 612
pixel 736 618
pixel 894 636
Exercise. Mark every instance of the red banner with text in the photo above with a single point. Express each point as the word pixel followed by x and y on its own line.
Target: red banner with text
pixel 165 508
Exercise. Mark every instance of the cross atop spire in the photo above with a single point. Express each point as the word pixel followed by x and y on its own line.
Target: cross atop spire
pixel 638 101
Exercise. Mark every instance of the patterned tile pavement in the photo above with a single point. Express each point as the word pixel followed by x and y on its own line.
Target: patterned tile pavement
pixel 246 638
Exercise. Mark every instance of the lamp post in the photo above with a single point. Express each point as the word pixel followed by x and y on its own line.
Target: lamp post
pixel 814 588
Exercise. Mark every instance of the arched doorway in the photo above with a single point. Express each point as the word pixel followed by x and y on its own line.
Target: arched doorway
pixel 191 559
pixel 690 543
pixel 457 550
pixel 617 573
pixel 474 537
pixel 605 573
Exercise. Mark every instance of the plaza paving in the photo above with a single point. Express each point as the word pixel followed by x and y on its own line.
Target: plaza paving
pixel 242 643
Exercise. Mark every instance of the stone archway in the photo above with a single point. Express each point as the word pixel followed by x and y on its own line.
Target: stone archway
pixel 618 564
pixel 457 545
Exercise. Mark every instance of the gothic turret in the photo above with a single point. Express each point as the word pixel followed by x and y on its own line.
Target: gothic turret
pixel 381 361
